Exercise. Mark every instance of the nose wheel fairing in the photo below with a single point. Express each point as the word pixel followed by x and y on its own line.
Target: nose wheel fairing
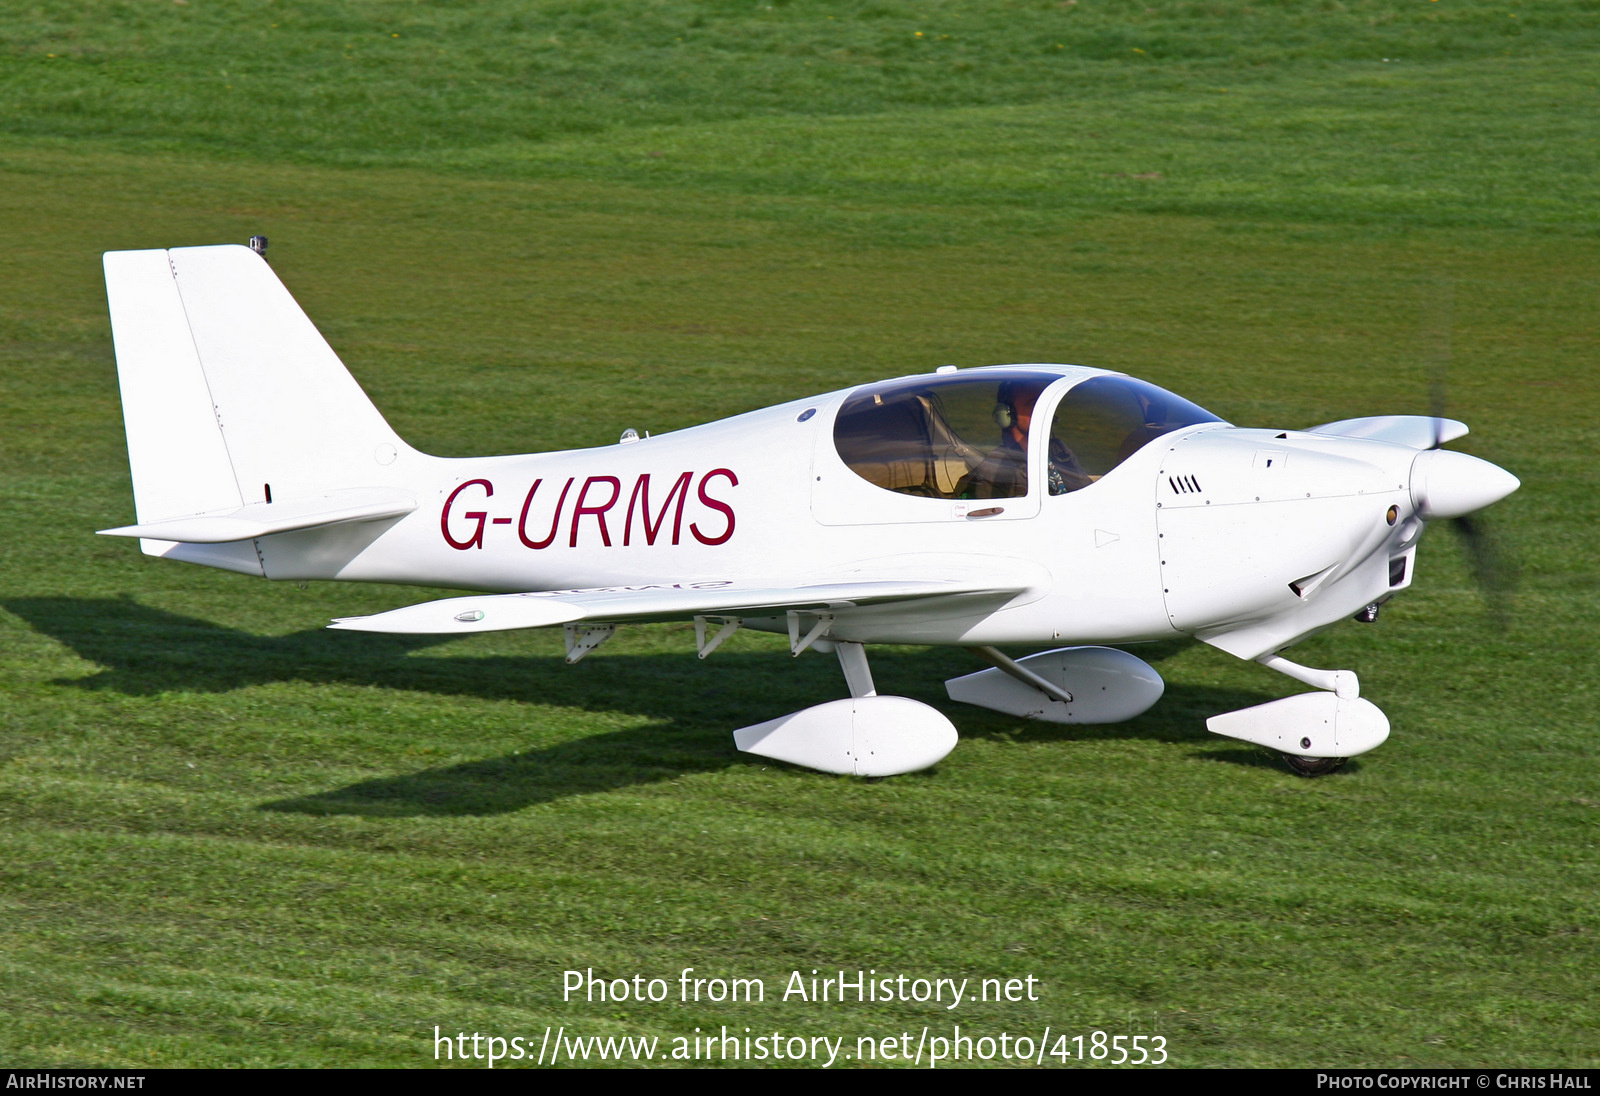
pixel 1319 725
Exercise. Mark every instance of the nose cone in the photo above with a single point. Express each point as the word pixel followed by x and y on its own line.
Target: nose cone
pixel 1446 484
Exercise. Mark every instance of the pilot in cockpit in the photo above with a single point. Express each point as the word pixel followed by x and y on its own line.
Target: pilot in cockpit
pixel 1004 472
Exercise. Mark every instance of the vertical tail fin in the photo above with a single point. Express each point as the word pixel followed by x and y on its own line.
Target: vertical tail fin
pixel 212 348
pixel 232 398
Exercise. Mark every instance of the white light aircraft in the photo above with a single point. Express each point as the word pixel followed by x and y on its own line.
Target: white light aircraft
pixel 1006 505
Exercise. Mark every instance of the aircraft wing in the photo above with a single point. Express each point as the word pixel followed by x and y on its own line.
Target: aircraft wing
pixel 668 601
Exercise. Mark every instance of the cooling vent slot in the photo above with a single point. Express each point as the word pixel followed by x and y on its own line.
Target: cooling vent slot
pixel 1184 485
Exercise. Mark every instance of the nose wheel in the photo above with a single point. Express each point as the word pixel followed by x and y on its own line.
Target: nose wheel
pixel 1312 766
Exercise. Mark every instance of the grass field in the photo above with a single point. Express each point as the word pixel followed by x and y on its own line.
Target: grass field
pixel 229 837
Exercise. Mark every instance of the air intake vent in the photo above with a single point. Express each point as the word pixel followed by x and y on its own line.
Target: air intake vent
pixel 1305 587
pixel 1184 485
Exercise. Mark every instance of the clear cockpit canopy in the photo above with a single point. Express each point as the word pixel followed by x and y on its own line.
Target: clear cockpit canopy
pixel 1103 421
pixel 940 437
pixel 966 436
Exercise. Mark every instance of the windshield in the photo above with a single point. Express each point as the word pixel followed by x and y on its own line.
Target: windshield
pixel 943 437
pixel 1105 420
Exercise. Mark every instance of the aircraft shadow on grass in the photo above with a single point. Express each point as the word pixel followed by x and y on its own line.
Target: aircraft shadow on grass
pixel 693 706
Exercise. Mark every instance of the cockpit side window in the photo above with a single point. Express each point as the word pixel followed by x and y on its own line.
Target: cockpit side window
pixel 945 438
pixel 1103 421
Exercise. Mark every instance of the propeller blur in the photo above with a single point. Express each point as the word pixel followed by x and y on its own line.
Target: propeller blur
pixel 1038 505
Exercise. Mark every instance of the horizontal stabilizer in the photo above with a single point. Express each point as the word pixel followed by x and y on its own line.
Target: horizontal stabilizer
pixel 265 518
pixel 616 604
pixel 1417 431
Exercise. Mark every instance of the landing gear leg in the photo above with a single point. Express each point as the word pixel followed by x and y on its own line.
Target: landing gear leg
pixel 857 674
